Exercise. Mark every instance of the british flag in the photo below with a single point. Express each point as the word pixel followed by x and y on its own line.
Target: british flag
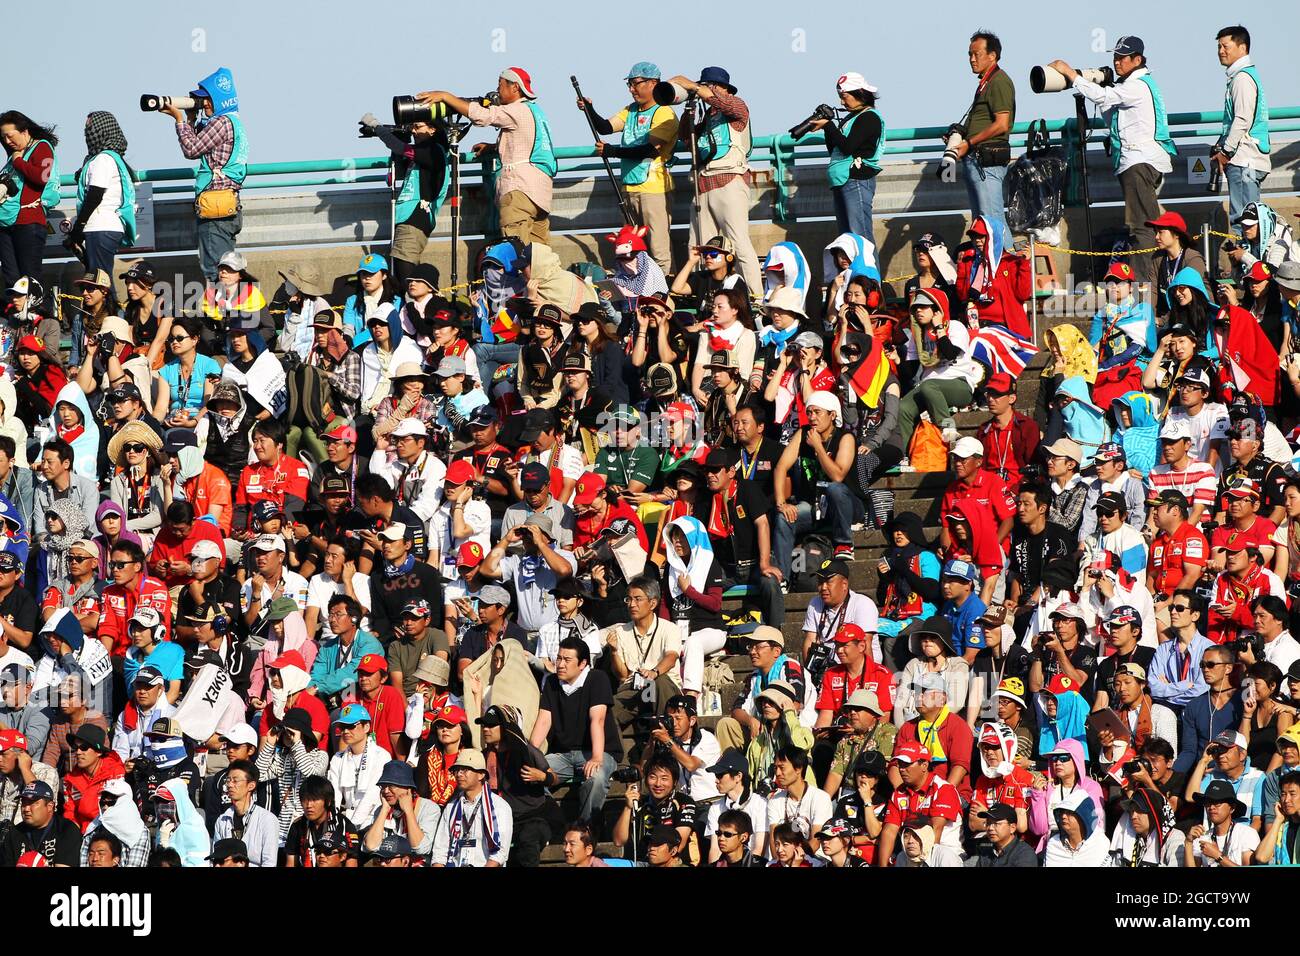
pixel 1002 350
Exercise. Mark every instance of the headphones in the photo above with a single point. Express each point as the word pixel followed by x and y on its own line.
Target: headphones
pixel 874 299
pixel 220 625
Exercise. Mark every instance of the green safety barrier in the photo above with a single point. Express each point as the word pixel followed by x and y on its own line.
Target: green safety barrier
pixel 781 152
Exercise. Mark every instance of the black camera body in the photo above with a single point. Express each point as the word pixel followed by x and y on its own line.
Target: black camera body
pixel 105 342
pixel 1253 642
pixel 7 187
pixel 802 129
pixel 626 775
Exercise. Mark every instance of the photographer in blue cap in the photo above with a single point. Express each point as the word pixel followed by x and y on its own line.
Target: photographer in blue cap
pixel 649 135
pixel 213 134
pixel 723 142
pixel 1141 148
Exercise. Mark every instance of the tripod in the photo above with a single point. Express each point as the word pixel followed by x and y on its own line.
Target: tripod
pixel 456 127
pixel 1085 135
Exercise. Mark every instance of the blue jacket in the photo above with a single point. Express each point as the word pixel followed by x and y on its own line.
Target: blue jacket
pixel 1084 421
pixel 327 676
pixel 1200 725
pixel 1141 440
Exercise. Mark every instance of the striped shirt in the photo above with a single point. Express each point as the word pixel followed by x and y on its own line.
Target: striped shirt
pixel 1197 482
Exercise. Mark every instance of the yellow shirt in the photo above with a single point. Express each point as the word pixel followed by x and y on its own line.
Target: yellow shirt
pixel 663 131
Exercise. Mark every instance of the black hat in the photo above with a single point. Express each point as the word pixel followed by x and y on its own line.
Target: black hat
pixel 661 380
pixel 687 469
pixel 570 587
pixel 551 314
pixel 494 716
pixel 590 310
pixel 536 421
pixel 1172 496
pixel 534 476
pixel 91 734
pixel 999 811
pixel 731 761
pixel 426 273
pixel 482 416
pixel 938 627
pixel 1111 503
pixel 1220 791
pixel 720 457
pixel 663 835
pixel 832 566
pixel 223 850
pixel 1293 672
pixel 335 485
pixel 870 762
pixel 576 361
pixel 124 392
pixel 296 718
pixel 141 272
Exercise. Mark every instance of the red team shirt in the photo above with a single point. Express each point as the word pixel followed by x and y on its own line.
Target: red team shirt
pixel 838 686
pixel 259 482
pixel 1013 789
pixel 936 798
pixel 1172 555
pixel 987 490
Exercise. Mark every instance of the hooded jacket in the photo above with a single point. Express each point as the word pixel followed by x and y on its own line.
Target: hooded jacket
pixel 1123 332
pixel 1248 362
pixel 229 439
pixel 1041 801
pixel 1093 851
pixel 110 508
pixel 786 266
pixel 984 550
pixel 1084 421
pixel 1192 279
pixel 87 659
pixel 189 837
pixel 85 447
pixel 1274 244
pixel 1070 722
pixel 81 792
pixel 1141 440
pixel 1079 357
pixel 862 262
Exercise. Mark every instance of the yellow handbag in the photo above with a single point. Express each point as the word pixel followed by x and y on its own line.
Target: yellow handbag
pixel 216 203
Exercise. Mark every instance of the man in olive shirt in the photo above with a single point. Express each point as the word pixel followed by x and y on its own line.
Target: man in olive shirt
pixel 986 150
pixel 626 464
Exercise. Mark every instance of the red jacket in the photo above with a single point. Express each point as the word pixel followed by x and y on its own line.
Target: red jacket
pixel 1012 287
pixel 1228 590
pixel 1007 451
pixel 1250 350
pixel 308 701
pixel 119 604
pixel 589 529
pixel 168 547
pixel 81 792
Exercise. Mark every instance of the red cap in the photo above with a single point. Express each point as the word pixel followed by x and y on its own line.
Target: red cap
pixel 850 632
pixel 450 714
pixel 12 738
pixel 1170 220
pixel 470 555
pixel 1000 383
pixel 589 486
pixel 1260 271
pixel 343 433
pixel 288 659
pixel 461 471
pixel 1243 488
pixel 372 664
pixel 1061 684
pixel 910 753
pixel 1121 271
pixel 31 343
pixel 680 411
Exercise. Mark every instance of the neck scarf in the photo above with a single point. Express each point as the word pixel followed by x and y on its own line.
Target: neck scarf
pixel 697 564
pixel 723 340
pixel 771 335
pixel 459 827
pixel 397 570
pixel 927 732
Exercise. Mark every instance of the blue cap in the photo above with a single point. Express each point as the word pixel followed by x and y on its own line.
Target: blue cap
pixel 397 773
pixel 352 714
pixel 1129 46
pixel 393 846
pixel 645 69
pixel 957 568
pixel 716 74
pixel 36 790
pixel 372 263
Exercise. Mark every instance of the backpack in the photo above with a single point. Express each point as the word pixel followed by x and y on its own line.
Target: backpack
pixel 927 451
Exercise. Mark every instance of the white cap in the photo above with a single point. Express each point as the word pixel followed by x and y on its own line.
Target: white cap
pixel 146 616
pixel 1175 429
pixel 828 401
pixel 268 542
pixel 410 426
pixel 204 550
pixel 853 81
pixel 967 447
pixel 240 734
pixel 394 532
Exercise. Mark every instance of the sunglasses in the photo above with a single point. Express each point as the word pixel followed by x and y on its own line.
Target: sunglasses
pixel 133 446
pixel 727 834
pixel 172 340
pixel 1059 758
pixel 1180 608
pixel 1207 665
pixel 712 253
pixel 119 565
pixel 81 745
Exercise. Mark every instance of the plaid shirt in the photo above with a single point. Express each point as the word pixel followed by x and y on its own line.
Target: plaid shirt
pixel 737 111
pixel 137 854
pixel 57 752
pixel 344 378
pixel 216 141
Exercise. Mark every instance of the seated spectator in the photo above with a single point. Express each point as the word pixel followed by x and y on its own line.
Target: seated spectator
pixel 148 703
pixel 972 537
pixel 1080 838
pixel 796 802
pixel 570 599
pixel 40 832
pixel 810 478
pixel 93 765
pixel 1225 761
pixel 274 476
pixel 1145 835
pixel 383 702
pixel 1068 487
pixel 186 379
pixel 941 732
pixel 1067 780
pixel 341 461
pixel 772 666
pixel 1114 535
pixel 1243 579
pixel 460 518
pixel 416 474
pixel 734 839
pixel 948 374
pixel 835 606
pixel 137 485
pixel 446 734
pixel 1000 782
pixel 643 655
pixel 994 280
pixel 399 579
pixel 908 586
pixel 1221 840
pixel 866 731
pixel 322 831
pixel 257 827
pixel 537 488
pixel 494 626
pixel 1035 544
pixel 922 797
pixel 119 818
pixel 664 806
pixel 737 799
pixel 542 442
pixel 534 573
pixel 1145 719
pixel 739 522
pixel 933 655
pixel 521 772
pixel 290 751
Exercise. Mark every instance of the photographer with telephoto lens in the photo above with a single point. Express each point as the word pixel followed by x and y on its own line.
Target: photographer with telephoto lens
pixel 855 145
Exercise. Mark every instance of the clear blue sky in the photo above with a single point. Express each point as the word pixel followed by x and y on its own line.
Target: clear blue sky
pixel 307 71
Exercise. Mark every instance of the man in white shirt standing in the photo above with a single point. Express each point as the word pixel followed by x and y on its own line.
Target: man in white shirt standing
pixel 355 770
pixel 1140 145
pixel 1242 151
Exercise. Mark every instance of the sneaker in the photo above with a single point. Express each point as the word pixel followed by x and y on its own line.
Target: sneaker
pixel 858 526
pixel 844 552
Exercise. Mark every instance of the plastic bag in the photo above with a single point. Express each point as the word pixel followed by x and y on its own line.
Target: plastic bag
pixel 1034 190
pixel 927 451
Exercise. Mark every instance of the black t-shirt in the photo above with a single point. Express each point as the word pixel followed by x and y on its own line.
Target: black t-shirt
pixel 570 724
pixel 59 843
pixel 744 505
pixel 704 287
pixel 19 608
pixel 474 644
pixel 1142 656
pixel 1031 552
pixel 676 810
pixel 759 471
pixel 222 591
pixel 1082 658
pixel 302 837
pixel 491 463
pixel 807 474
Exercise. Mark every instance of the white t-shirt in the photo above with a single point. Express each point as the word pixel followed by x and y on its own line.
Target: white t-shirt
pixel 477 515
pixel 1209 426
pixel 703 785
pixel 861 611
pixel 295 586
pixel 964 368
pixel 813 809
pixel 102 172
pixel 322 588
pixel 756 809
pixel 1242 838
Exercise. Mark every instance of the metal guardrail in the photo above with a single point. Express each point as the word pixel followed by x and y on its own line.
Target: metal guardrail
pixel 780 152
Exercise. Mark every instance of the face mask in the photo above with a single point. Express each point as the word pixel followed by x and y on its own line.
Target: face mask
pixel 279 702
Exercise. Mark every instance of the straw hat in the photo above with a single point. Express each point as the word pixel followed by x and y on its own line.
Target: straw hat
pixel 132 432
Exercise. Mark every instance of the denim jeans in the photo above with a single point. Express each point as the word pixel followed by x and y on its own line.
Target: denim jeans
pixel 591 792
pixel 22 250
pixel 984 187
pixel 216 238
pixel 491 356
pixel 853 202
pixel 1243 188
pixel 101 250
pixel 842 509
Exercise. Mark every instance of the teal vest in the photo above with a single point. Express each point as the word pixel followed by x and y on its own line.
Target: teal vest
pixel 543 154
pixel 636 131
pixel 1259 124
pixel 126 211
pixel 841 164
pixel 408 198
pixel 714 142
pixel 236 169
pixel 49 195
pixel 1162 123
